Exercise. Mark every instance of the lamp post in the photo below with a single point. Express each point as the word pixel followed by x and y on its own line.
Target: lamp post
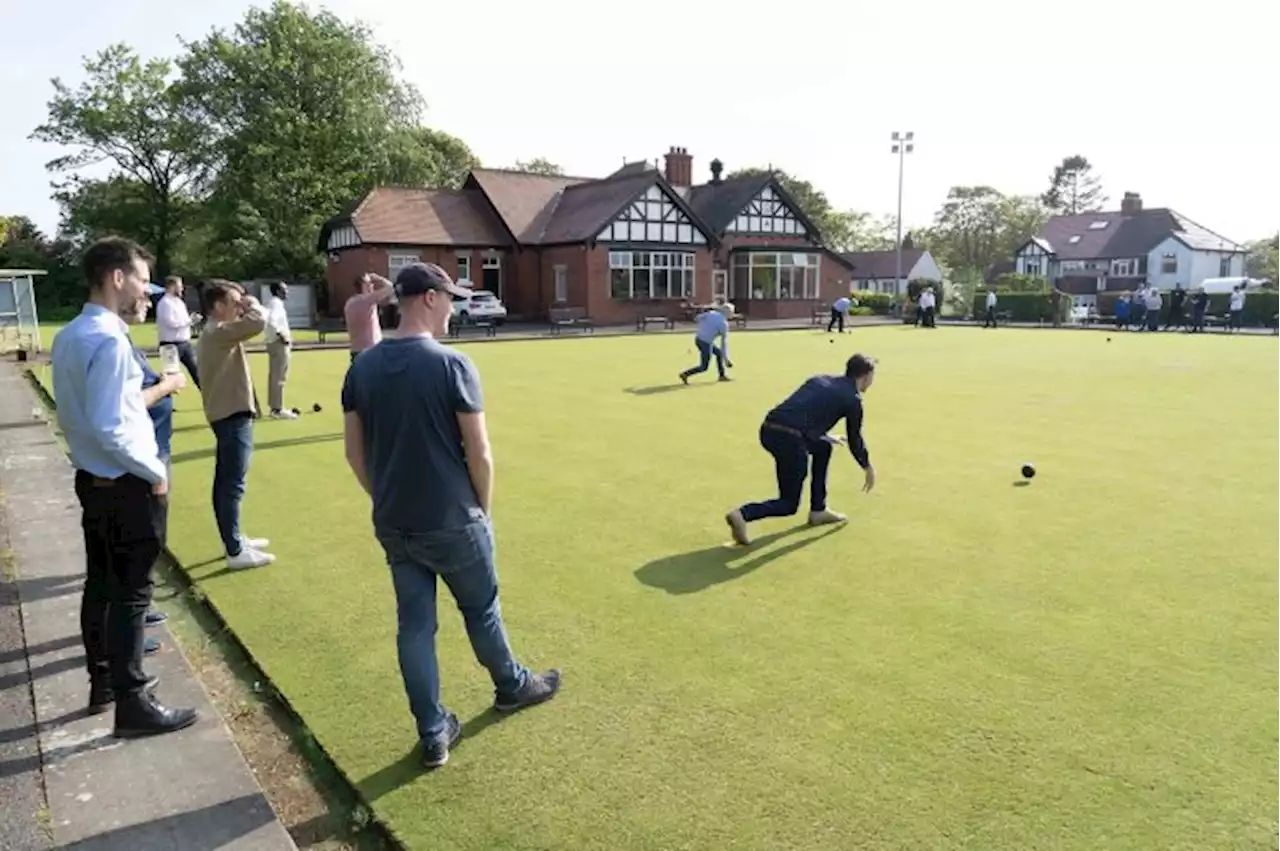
pixel 903 144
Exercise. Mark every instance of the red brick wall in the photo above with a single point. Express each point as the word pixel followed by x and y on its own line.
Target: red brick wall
pixel 341 274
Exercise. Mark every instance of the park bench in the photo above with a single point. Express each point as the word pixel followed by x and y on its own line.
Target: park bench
pixel 327 326
pixel 487 326
pixel 643 321
pixel 570 317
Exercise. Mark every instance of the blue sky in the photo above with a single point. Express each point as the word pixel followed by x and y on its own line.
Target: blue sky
pixel 1176 103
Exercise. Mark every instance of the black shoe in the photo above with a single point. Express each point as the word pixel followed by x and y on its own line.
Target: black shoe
pixel 436 754
pixel 140 714
pixel 101 697
pixel 539 689
pixel 684 378
pixel 155 617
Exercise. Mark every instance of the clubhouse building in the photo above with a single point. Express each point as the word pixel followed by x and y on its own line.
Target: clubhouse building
pixel 639 241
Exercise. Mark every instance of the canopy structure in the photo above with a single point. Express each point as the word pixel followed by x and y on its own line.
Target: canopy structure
pixel 19 323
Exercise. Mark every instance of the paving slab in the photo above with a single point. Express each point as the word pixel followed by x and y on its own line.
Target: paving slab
pixel 186 791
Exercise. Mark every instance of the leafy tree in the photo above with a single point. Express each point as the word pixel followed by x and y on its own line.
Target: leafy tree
pixel 129 114
pixel 1074 188
pixel 539 165
pixel 304 112
pixel 23 246
pixel 424 157
pixel 1261 261
pixel 978 226
pixel 866 232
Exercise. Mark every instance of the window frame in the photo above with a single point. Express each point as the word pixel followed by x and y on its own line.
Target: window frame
pixel 633 275
pixel 810 287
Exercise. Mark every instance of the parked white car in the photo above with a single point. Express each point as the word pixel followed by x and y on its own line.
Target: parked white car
pixel 481 306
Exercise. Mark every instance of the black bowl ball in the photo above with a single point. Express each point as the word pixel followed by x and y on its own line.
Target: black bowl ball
pixel 316 407
pixel 297 412
pixel 1028 471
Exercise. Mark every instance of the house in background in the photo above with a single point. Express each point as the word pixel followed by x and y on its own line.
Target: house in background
pixel 634 242
pixel 1090 253
pixel 877 271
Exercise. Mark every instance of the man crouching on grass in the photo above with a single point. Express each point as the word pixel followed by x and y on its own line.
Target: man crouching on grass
pixel 417 442
pixel 796 431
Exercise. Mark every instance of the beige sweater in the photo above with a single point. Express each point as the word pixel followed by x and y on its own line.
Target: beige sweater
pixel 225 382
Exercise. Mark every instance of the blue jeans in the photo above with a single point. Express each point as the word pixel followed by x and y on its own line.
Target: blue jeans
pixel 234 436
pixel 705 353
pixel 791 454
pixel 464 559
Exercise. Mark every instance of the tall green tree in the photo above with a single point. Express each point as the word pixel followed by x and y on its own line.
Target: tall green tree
pixel 304 112
pixel 978 226
pixel 539 165
pixel 1074 188
pixel 1262 260
pixel 23 246
pixel 868 232
pixel 130 115
pixel 421 156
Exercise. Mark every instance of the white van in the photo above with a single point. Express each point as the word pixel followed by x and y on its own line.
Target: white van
pixel 1215 286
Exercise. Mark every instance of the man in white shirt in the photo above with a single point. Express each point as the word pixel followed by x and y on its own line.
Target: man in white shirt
pixel 990 320
pixel 927 305
pixel 1237 309
pixel 839 310
pixel 173 325
pixel 278 345
pixel 1154 302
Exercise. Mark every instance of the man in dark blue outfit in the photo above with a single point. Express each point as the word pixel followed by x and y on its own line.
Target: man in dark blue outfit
pixel 796 430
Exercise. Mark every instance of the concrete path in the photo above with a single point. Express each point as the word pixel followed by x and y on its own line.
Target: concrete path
pixel 187 791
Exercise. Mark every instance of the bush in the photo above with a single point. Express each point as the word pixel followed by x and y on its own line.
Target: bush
pixel 878 303
pixel 1024 307
pixel 915 286
pixel 861 310
pixel 1259 307
pixel 1011 282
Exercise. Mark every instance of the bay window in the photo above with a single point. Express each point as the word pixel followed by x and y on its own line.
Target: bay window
pixel 784 275
pixel 650 274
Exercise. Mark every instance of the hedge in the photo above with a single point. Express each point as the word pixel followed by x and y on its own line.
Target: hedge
pixel 1259 307
pixel 878 303
pixel 1024 307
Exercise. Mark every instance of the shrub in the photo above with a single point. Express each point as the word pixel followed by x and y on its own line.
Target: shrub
pixel 878 303
pixel 1259 307
pixel 1024 307
pixel 1011 282
pixel 917 285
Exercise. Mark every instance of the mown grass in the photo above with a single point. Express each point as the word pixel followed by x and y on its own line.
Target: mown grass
pixel 1086 662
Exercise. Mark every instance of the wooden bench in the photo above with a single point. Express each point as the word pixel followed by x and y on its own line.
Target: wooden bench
pixel 570 317
pixel 821 314
pixel 1217 320
pixel 644 321
pixel 327 326
pixel 739 320
pixel 488 326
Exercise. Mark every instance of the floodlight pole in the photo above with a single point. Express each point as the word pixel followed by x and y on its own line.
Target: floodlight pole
pixel 903 144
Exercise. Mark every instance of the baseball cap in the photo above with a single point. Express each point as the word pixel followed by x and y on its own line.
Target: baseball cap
pixel 419 278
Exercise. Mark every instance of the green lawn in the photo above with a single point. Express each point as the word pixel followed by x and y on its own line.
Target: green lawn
pixel 1085 663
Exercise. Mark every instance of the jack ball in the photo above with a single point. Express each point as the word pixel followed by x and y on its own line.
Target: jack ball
pixel 1108 339
pixel 297 412
pixel 1028 471
pixel 316 407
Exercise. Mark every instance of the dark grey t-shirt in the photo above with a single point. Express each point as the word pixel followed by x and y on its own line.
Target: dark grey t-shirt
pixel 408 394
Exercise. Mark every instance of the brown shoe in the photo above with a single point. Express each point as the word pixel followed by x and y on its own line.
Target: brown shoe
pixel 738 525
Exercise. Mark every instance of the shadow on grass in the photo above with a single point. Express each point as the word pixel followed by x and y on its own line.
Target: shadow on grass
pixel 688 573
pixel 198 454
pixel 409 766
pixel 1022 483
pixel 664 388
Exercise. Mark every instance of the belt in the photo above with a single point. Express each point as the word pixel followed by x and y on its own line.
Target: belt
pixel 794 432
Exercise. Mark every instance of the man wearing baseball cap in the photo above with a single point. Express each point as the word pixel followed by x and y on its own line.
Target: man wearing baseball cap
pixel 417 442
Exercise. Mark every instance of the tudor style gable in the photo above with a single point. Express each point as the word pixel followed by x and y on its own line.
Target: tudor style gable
pixel 654 217
pixel 768 213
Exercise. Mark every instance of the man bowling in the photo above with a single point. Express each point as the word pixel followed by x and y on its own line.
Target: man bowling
pixel 796 431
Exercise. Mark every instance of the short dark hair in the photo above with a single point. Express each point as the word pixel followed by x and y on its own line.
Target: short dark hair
pixel 277 288
pixel 859 365
pixel 110 254
pixel 216 292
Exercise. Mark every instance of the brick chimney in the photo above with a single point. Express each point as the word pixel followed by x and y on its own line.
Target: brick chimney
pixel 679 171
pixel 1131 205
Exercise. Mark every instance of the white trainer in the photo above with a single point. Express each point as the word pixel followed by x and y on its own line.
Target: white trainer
pixel 255 543
pixel 249 558
pixel 825 517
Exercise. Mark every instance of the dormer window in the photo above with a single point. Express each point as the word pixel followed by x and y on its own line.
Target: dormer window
pixel 1073 240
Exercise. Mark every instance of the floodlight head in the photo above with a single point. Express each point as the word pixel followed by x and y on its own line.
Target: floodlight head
pixel 910 135
pixel 910 148
pixel 896 136
pixel 894 150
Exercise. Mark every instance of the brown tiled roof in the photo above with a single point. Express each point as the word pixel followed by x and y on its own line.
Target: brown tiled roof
pixel 399 216
pixel 1125 235
pixel 882 264
pixel 583 210
pixel 524 201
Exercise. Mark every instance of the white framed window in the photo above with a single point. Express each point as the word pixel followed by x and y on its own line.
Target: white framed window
pixel 464 267
pixel 650 274
pixel 1031 266
pixel 1224 267
pixel 1169 264
pixel 396 262
pixel 720 283
pixel 561 294
pixel 766 275
pixel 1124 268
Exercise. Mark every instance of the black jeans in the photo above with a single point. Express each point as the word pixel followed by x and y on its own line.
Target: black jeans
pixel 837 319
pixel 121 544
pixel 187 355
pixel 990 320
pixel 791 453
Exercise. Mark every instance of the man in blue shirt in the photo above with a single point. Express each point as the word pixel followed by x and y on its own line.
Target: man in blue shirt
pixel 417 442
pixel 711 325
pixel 839 310
pixel 797 430
pixel 119 476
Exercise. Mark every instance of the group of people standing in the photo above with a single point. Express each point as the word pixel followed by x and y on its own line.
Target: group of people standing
pixel 1143 308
